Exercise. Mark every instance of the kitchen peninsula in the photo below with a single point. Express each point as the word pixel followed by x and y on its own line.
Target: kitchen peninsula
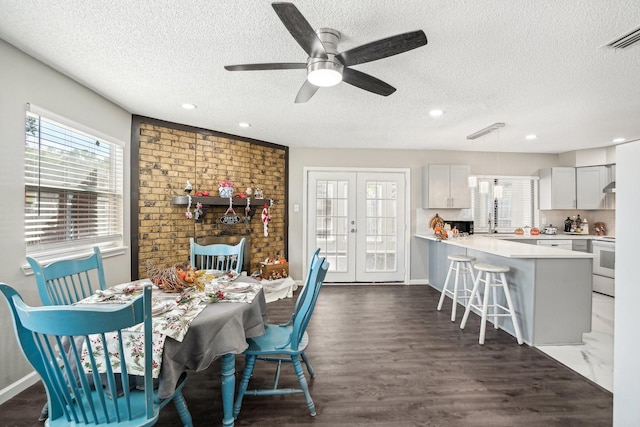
pixel 550 287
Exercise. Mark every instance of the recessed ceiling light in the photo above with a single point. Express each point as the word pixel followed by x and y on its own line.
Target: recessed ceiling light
pixel 244 124
pixel 436 113
pixel 619 140
pixel 531 136
pixel 188 106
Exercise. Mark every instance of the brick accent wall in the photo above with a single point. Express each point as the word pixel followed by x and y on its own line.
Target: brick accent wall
pixel 169 156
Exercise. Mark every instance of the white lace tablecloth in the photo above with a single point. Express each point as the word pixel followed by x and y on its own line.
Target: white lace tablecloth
pixel 278 289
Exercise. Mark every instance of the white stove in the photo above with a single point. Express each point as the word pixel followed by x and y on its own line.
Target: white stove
pixel 604 261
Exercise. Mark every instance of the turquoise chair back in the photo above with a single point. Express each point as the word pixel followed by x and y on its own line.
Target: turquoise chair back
pixel 94 398
pixel 305 289
pixel 65 282
pixel 217 256
pixel 317 274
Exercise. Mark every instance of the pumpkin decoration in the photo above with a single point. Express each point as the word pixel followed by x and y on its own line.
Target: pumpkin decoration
pixel 436 221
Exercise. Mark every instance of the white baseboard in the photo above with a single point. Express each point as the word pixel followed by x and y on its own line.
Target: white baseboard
pixel 18 387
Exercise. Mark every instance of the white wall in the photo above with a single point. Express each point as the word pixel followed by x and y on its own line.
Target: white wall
pixel 24 80
pixel 626 374
pixel 481 163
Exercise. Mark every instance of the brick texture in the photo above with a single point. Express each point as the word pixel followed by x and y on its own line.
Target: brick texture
pixel 168 157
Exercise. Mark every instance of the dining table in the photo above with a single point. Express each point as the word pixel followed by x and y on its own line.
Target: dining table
pixel 219 330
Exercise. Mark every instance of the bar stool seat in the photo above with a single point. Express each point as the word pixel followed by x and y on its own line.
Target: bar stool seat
pixel 494 278
pixel 461 264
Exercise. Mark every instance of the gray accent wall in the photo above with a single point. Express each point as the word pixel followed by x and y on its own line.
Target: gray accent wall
pixel 25 80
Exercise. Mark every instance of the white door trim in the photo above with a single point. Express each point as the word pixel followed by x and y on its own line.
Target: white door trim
pixel 407 211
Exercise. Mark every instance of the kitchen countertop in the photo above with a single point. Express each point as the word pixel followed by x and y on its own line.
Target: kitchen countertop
pixel 559 236
pixel 501 247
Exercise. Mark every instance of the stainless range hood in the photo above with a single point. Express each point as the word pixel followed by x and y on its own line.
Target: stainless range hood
pixel 611 177
pixel 610 188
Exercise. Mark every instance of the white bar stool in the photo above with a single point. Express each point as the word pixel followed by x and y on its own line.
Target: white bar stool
pixel 461 264
pixel 494 277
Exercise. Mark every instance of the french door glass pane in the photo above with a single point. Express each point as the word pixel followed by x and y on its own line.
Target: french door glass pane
pixel 381 226
pixel 332 223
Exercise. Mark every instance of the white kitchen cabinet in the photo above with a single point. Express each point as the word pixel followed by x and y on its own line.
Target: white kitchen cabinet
pixel 590 181
pixel 446 187
pixel 557 188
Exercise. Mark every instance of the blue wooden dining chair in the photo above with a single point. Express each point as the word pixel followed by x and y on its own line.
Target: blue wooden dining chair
pixel 102 396
pixel 284 344
pixel 217 256
pixel 68 281
pixel 301 297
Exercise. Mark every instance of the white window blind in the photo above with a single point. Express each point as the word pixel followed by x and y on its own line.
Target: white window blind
pixel 518 206
pixel 73 186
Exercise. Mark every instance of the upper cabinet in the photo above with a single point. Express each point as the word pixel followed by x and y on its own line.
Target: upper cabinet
pixel 446 187
pixel 557 188
pixel 590 181
pixel 575 188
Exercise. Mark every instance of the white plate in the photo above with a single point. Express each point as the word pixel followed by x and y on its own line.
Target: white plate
pixel 133 286
pixel 161 306
pixel 236 287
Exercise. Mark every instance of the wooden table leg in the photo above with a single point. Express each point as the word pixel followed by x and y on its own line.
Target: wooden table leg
pixel 228 388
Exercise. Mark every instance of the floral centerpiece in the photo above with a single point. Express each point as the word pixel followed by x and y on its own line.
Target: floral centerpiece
pixel 225 188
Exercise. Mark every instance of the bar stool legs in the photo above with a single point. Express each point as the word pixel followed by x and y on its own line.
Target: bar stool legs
pixel 494 277
pixel 461 264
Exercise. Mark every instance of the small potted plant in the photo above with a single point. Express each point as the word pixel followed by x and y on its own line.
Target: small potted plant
pixel 225 188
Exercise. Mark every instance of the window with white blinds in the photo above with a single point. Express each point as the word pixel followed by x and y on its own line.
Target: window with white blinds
pixel 517 206
pixel 73 187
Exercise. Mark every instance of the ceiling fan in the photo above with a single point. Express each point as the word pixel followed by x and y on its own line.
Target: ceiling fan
pixel 325 65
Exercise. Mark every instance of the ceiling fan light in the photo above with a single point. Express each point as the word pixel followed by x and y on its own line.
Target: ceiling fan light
pixel 323 72
pixel 324 77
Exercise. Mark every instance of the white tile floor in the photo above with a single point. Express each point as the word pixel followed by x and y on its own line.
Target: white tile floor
pixel 594 359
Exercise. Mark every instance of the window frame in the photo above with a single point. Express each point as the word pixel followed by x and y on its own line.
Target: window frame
pixel 481 225
pixel 110 242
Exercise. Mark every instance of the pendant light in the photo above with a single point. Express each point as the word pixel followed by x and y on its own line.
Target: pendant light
pixel 473 181
pixel 484 187
pixel 497 188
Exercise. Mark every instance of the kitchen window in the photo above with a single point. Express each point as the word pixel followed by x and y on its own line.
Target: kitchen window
pixel 73 187
pixel 508 202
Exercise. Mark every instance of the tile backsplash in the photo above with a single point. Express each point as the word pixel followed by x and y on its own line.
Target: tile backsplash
pixel 551 217
pixel 557 218
pixel 423 217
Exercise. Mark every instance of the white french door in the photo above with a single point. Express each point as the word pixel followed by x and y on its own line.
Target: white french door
pixel 357 219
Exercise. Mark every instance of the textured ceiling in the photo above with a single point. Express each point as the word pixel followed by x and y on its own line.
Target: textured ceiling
pixel 537 66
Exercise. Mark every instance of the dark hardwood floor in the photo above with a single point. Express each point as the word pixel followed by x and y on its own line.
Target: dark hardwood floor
pixel 384 356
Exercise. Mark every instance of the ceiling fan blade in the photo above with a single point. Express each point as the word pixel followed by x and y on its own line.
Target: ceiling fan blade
pixel 383 48
pixel 366 82
pixel 267 66
pixel 300 29
pixel 306 92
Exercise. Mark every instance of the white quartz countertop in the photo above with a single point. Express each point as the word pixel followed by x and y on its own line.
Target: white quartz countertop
pixel 560 236
pixel 505 248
